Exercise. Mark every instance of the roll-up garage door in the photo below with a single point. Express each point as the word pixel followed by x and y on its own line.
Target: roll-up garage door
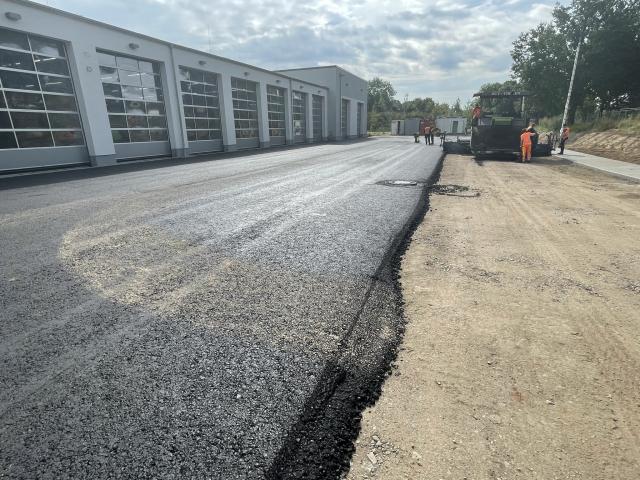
pixel 39 122
pixel 299 114
pixel 344 119
pixel 275 106
pixel 201 110
pixel 135 104
pixel 316 103
pixel 245 112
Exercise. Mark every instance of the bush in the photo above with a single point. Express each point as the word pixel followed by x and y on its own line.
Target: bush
pixel 550 124
pixel 630 126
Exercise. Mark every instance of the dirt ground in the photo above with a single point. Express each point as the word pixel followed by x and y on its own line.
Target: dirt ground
pixel 609 144
pixel 521 357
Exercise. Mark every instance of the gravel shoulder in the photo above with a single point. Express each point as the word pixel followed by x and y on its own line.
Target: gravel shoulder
pixel 521 356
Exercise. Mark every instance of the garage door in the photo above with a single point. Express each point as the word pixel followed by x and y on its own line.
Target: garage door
pixel 275 106
pixel 245 112
pixel 317 117
pixel 39 122
pixel 201 110
pixel 135 104
pixel 344 119
pixel 299 114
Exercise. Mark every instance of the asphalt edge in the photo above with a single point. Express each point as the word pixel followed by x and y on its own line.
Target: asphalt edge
pixel 332 459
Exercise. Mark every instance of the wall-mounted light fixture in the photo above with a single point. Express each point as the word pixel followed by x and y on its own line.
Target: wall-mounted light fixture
pixel 202 62
pixel 246 74
pixel 346 84
pixel 277 81
pixel 319 91
pixel 13 16
pixel 134 46
pixel 301 87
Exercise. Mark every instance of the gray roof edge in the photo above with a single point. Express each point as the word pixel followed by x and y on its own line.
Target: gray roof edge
pixel 74 16
pixel 321 66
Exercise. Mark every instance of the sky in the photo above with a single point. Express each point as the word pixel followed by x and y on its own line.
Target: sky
pixel 443 49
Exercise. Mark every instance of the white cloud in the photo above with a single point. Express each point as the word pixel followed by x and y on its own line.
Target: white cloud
pixel 441 49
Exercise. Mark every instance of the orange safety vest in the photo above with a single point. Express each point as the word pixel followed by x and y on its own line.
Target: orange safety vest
pixel 565 133
pixel 525 139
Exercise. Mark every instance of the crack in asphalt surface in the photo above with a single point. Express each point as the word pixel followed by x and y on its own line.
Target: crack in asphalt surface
pixel 223 319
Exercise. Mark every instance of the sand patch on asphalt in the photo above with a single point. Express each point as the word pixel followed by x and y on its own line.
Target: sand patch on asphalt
pixel 521 357
pixel 149 268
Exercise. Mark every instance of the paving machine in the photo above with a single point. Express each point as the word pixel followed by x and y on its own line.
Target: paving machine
pixel 496 128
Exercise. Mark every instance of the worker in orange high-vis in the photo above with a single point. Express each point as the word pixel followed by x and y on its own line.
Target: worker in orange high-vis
pixel 564 136
pixel 476 113
pixel 526 145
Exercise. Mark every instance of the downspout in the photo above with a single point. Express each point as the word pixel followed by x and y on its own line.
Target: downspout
pixel 185 143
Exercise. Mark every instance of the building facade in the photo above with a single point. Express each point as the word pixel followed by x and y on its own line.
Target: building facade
pixel 347 99
pixel 75 91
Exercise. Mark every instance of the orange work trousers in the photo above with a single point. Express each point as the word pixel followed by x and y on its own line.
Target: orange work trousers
pixel 526 152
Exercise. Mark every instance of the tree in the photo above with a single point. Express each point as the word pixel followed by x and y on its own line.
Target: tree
pixel 456 108
pixel 381 94
pixel 542 63
pixel 609 65
pixel 612 57
pixel 501 87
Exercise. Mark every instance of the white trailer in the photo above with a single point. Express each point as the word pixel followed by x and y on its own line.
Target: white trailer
pixel 397 127
pixel 452 124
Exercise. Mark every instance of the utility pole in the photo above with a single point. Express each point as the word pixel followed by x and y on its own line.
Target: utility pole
pixel 573 76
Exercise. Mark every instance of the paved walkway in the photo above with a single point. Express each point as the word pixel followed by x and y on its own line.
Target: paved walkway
pixel 615 167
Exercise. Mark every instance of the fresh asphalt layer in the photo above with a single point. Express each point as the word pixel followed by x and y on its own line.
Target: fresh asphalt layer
pixel 213 319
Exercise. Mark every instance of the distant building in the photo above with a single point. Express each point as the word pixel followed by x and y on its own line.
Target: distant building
pixel 409 126
pixel 452 124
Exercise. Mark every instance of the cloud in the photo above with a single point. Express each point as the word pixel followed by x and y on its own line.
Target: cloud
pixel 439 48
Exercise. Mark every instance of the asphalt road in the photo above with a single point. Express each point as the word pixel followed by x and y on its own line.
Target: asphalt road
pixel 200 320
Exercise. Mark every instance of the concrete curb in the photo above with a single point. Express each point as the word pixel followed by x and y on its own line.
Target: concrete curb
pixel 600 168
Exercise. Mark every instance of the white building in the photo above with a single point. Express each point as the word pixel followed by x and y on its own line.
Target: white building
pixel 452 124
pixel 76 91
pixel 347 101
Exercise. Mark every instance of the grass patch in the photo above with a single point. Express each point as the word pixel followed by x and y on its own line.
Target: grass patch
pixel 628 126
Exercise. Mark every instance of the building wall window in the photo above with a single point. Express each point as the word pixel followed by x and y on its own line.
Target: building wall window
pixel 38 106
pixel 344 118
pixel 298 113
pixel 276 111
pixel 201 104
pixel 245 108
pixel 135 101
pixel 316 112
